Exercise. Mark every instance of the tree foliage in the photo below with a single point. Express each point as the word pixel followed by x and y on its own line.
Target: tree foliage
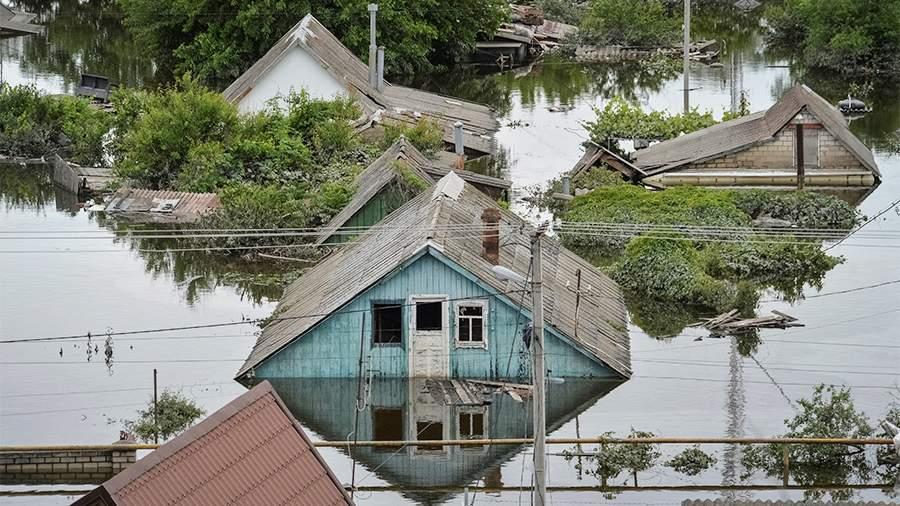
pixel 621 119
pixel 33 125
pixel 218 40
pixel 614 459
pixel 645 23
pixel 845 36
pixel 174 414
pixel 692 461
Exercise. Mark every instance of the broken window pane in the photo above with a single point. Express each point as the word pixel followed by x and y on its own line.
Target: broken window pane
pixel 388 325
pixel 428 316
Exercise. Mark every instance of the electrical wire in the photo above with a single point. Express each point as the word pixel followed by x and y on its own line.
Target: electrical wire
pixel 870 220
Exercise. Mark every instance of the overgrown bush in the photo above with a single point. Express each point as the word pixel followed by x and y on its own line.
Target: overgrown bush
pixel 614 459
pixel 692 461
pixel 174 414
pixel 621 119
pixel 33 125
pixel 644 23
pixel 426 135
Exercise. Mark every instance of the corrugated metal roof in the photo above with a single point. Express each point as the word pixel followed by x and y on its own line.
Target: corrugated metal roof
pixel 251 451
pixel 740 133
pixel 423 222
pixel 161 206
pixel 397 102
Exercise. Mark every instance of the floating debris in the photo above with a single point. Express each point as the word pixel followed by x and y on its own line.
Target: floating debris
pixel 852 105
pixel 732 323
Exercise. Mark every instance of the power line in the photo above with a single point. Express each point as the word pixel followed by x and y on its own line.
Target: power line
pixel 870 220
pixel 839 292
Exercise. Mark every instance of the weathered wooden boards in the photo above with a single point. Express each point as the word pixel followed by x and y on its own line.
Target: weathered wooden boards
pixel 732 323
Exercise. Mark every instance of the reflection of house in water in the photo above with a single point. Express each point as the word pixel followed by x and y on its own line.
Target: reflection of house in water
pixel 420 409
pixel 801 141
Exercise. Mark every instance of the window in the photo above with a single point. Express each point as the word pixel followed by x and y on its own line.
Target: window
pixel 388 325
pixel 387 425
pixel 470 328
pixel 430 431
pixel 810 147
pixel 428 315
pixel 472 426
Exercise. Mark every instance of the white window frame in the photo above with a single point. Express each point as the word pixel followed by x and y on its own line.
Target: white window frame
pixel 483 304
pixel 473 410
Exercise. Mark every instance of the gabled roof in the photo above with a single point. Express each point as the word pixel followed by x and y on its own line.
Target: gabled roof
pixel 396 102
pixel 252 451
pixel 375 177
pixel 424 224
pixel 743 132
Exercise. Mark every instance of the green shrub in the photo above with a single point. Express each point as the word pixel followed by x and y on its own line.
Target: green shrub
pixel 33 125
pixel 630 22
pixel 621 119
pixel 426 135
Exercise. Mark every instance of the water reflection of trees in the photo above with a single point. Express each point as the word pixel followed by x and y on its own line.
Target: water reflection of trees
pixel 25 188
pixel 82 36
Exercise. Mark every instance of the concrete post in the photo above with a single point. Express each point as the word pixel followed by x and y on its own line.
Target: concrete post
pixel 538 376
pixel 373 48
pixel 687 53
pixel 459 145
pixel 566 184
pixel 379 82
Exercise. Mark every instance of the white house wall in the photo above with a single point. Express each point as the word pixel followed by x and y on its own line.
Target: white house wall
pixel 296 70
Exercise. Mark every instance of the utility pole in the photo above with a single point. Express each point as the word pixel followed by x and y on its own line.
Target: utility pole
pixel 373 48
pixel 687 54
pixel 538 370
pixel 155 411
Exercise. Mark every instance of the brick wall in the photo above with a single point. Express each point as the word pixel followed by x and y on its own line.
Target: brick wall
pixel 70 467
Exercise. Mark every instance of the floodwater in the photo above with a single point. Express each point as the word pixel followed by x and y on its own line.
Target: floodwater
pixel 51 394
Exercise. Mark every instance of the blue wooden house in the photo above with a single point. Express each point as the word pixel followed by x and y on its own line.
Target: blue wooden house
pixel 419 297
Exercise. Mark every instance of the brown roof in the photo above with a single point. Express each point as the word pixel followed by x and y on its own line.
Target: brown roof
pixel 397 102
pixel 741 133
pixel 252 451
pixel 150 205
pixel 425 222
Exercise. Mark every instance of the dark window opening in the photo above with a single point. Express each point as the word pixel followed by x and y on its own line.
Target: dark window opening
pixel 387 425
pixel 430 431
pixel 471 426
pixel 388 327
pixel 470 322
pixel 428 315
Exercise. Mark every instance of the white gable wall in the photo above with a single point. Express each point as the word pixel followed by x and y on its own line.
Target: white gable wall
pixel 295 70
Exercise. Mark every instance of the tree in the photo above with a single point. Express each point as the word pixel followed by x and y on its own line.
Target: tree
pixel 846 36
pixel 218 40
pixel 630 22
pixel 174 414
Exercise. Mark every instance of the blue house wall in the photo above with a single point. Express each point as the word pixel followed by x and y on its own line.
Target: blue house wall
pixel 331 348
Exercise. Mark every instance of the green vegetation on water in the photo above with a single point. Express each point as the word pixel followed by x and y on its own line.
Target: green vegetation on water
pixel 217 41
pixel 703 270
pixel 621 119
pixel 846 36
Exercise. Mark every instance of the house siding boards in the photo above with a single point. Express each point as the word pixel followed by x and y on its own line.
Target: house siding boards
pixel 331 349
pixel 386 201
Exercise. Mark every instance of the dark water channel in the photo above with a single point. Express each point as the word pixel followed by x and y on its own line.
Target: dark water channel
pixel 51 394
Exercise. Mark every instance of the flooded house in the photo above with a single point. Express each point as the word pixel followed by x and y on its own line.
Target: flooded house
pixel 420 410
pixel 309 57
pixel 399 174
pixel 160 206
pixel 420 296
pixel 14 23
pixel 252 451
pixel 800 142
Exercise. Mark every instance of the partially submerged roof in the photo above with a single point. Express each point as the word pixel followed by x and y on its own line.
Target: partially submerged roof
pixel 396 102
pixel 17 22
pixel 737 134
pixel 161 206
pixel 252 451
pixel 423 223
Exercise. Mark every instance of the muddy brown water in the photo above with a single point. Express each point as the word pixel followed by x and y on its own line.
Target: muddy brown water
pixel 51 394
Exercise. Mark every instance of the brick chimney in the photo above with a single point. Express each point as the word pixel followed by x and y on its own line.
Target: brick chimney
pixel 490 238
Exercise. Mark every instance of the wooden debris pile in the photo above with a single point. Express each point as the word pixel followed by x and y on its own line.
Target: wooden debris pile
pixel 732 323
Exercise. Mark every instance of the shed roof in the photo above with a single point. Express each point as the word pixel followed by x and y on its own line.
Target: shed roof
pixel 252 451
pixel 743 132
pixel 396 102
pixel 161 205
pixel 425 222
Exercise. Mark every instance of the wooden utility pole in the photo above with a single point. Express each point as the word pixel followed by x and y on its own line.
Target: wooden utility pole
pixel 360 398
pixel 801 162
pixel 538 370
pixel 155 411
pixel 687 55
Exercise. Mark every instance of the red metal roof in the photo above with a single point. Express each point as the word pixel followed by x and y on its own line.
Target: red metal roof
pixel 252 451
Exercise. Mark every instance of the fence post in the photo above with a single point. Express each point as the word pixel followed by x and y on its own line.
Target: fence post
pixel 786 457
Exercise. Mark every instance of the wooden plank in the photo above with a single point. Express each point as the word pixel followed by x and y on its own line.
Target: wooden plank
pixel 502 384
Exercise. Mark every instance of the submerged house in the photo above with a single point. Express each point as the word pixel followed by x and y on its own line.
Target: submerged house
pixel 160 206
pixel 252 451
pixel 420 297
pixel 13 23
pixel 800 142
pixel 422 410
pixel 309 57
pixel 399 174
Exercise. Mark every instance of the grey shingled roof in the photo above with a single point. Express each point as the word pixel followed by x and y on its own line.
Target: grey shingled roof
pixel 737 134
pixel 422 222
pixel 397 102
pixel 375 177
